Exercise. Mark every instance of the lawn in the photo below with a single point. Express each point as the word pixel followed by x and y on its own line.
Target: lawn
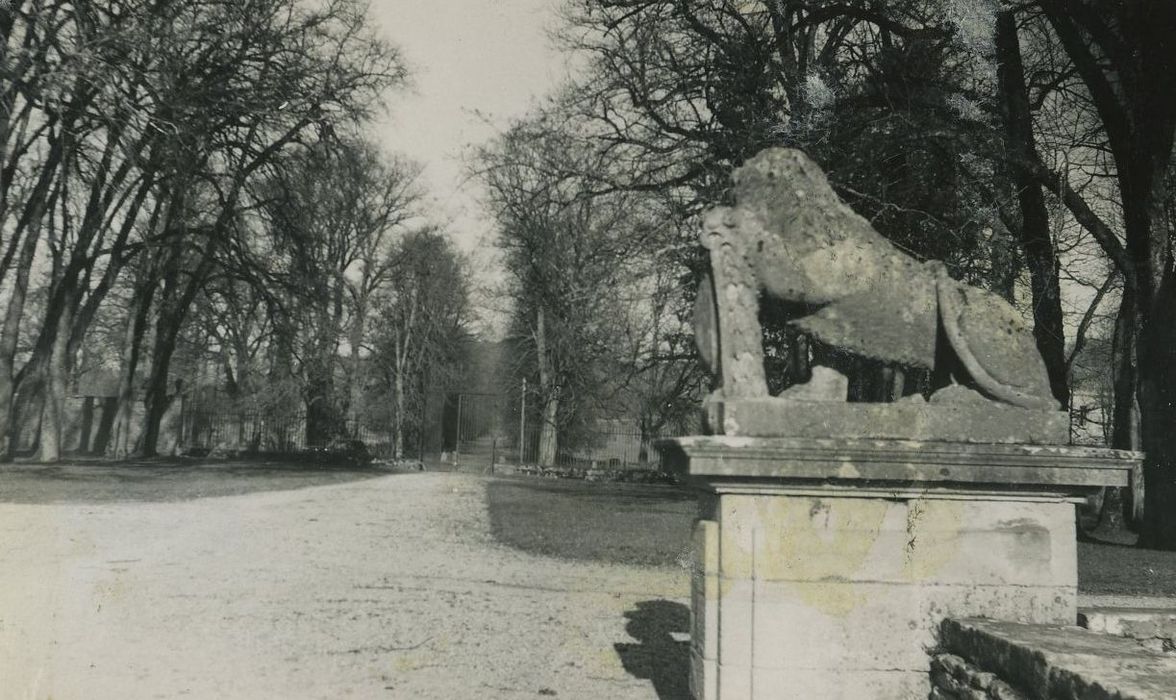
pixel 1107 568
pixel 650 525
pixel 571 519
pixel 163 479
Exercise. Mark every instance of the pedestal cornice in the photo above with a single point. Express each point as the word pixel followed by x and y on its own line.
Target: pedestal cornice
pixel 858 463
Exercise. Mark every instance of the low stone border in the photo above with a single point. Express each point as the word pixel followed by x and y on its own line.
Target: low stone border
pixel 354 457
pixel 630 476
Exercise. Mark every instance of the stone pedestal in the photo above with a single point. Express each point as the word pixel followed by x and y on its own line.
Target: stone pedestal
pixel 823 567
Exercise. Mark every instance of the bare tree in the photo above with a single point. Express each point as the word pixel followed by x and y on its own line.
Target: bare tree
pixel 575 256
pixel 424 318
pixel 131 129
pixel 335 216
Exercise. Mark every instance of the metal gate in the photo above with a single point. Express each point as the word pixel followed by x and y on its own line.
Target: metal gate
pixel 475 433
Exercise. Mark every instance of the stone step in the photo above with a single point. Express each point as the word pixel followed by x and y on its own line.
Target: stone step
pixel 1053 661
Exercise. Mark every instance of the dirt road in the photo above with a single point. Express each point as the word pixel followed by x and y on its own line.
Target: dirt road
pixel 381 588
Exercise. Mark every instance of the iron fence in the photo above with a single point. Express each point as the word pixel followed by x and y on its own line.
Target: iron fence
pixel 611 447
pixel 254 432
pixel 474 430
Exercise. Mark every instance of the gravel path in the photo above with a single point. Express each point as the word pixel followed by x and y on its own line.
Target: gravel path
pixel 384 588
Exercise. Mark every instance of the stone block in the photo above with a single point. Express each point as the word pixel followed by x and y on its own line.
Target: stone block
pixel 981 422
pixel 957 679
pixel 704 590
pixel 839 625
pixel 949 687
pixel 736 622
pixel 980 542
pixel 849 684
pixel 704 614
pixel 1154 627
pixel 706 546
pixel 825 462
pixel 704 677
pixel 736 681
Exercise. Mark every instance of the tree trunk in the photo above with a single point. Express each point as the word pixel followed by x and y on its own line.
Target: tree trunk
pixel 398 420
pixel 1157 410
pixel 548 392
pixel 156 395
pixel 1118 504
pixel 1148 239
pixel 120 445
pixel 173 310
pixel 8 339
pixel 320 414
pixel 1132 93
pixel 55 387
pixel 355 380
pixel 86 427
pixel 1040 255
pixel 548 436
pixel 30 398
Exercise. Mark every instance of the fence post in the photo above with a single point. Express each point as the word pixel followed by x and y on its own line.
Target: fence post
pixel 457 435
pixel 523 422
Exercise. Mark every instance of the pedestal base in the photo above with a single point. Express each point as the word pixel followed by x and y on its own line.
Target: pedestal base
pixel 835 587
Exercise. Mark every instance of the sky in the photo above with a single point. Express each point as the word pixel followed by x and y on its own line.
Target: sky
pixel 471 61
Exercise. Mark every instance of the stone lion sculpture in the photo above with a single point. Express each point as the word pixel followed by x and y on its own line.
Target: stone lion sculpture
pixel 791 238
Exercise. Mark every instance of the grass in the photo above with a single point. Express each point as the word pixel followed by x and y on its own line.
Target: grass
pixel 162 479
pixel 639 524
pixel 1119 569
pixel 650 525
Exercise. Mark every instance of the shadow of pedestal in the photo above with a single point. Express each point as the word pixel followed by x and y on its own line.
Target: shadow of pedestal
pixel 656 655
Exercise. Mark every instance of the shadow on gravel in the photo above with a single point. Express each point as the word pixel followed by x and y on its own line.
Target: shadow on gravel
pixel 656 655
pixel 166 479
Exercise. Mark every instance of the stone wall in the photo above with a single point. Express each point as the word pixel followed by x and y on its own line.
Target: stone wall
pixel 987 660
pixel 953 678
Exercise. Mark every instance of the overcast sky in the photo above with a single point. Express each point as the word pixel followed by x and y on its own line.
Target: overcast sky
pixel 467 56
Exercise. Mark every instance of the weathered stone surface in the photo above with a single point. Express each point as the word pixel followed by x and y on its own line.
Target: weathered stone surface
pixel 983 422
pixel 811 583
pixel 1155 629
pixel 812 589
pixel 704 677
pixel 859 462
pixel 1057 661
pixel 848 684
pixel 953 678
pixel 704 590
pixel 979 542
pixel 826 384
pixel 832 627
pixel 790 236
pixel 827 565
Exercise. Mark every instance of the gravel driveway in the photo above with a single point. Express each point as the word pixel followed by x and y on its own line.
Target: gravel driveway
pixel 383 588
